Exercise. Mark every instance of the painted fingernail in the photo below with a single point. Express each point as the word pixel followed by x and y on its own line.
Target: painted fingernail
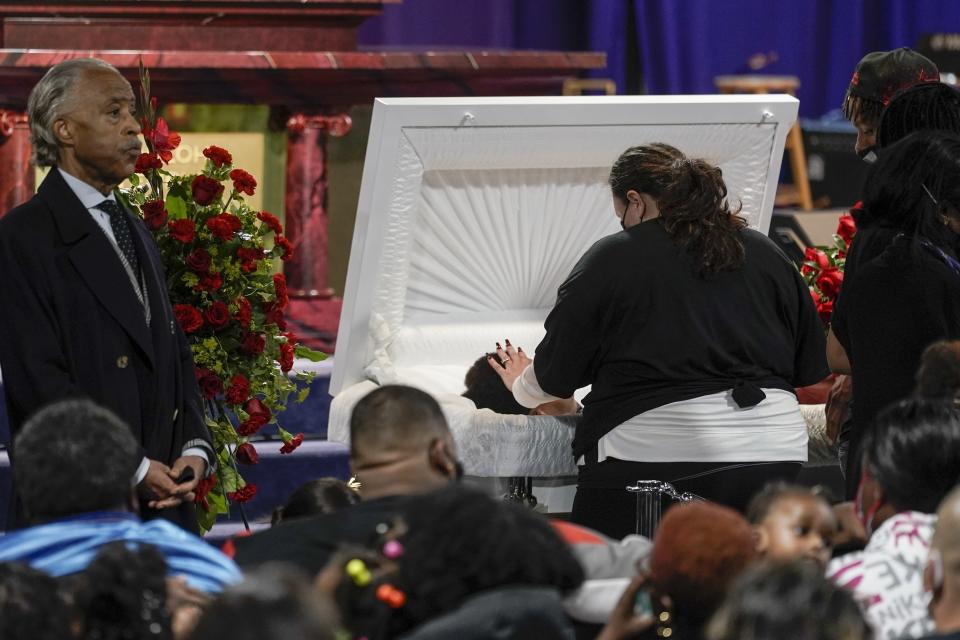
pixel 519 349
pixel 498 346
pixel 508 343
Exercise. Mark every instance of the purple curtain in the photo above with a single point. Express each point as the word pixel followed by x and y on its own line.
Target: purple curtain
pixel 679 46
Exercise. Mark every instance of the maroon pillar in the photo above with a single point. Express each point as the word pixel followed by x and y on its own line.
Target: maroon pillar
pixel 17 185
pixel 306 201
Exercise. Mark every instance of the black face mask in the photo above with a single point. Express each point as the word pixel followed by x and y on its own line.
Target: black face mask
pixel 868 155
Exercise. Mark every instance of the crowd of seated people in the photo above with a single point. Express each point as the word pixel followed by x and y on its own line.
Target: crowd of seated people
pixel 425 556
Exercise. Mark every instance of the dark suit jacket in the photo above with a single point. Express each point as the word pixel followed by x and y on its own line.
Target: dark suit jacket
pixel 71 325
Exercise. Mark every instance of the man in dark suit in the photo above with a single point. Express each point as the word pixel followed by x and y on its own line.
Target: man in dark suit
pixel 82 288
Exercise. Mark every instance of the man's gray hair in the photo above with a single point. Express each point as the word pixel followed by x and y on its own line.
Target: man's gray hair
pixel 46 102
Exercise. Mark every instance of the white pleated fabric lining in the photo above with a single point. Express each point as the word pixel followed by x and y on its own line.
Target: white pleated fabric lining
pixel 484 224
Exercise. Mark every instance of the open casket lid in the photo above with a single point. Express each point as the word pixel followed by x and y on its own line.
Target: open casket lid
pixel 472 211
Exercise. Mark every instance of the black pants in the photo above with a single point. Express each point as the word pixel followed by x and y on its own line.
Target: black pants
pixel 603 503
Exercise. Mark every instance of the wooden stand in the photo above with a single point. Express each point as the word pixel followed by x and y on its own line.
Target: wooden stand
pixel 801 194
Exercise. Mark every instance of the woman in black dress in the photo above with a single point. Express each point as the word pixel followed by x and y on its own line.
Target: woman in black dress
pixel 909 296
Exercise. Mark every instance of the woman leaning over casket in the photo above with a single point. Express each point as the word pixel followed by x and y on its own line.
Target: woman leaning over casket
pixel 693 332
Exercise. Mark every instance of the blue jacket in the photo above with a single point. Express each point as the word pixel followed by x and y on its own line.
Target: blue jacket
pixel 67 546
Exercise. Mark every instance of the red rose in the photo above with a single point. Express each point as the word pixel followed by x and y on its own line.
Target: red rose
pixel 829 282
pixel 248 428
pixel 274 315
pixel 253 344
pixel 817 257
pixel 243 181
pixel 248 258
pixel 183 230
pixel 217 315
pixel 147 162
pixel 285 246
pixel 239 389
pixel 244 494
pixel 189 318
pixel 258 415
pixel 815 296
pixel 244 312
pixel 201 491
pixel 224 226
pixel 154 214
pixel 205 190
pixel 286 357
pixel 290 336
pixel 210 282
pixel 293 443
pixel 257 410
pixel 209 382
pixel 271 221
pixel 247 454
pixel 825 309
pixel 199 260
pixel 846 228
pixel 218 156
pixel 280 287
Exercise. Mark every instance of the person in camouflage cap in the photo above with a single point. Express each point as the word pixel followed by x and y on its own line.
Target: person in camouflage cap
pixel 878 76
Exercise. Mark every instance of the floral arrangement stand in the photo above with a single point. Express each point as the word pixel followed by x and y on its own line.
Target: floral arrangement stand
pixel 218 255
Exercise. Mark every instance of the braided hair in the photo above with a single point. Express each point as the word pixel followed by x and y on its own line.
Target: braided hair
pixel 692 198
pixel 932 106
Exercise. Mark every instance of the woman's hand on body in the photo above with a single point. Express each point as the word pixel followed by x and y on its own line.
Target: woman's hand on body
pixel 514 362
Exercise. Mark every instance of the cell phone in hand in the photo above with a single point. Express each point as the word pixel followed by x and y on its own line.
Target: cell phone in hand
pixel 187 475
pixel 643 604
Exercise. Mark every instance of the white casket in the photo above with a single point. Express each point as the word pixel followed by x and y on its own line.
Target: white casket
pixel 472 212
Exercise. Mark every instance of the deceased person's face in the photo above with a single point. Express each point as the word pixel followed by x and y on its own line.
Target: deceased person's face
pixel 98 130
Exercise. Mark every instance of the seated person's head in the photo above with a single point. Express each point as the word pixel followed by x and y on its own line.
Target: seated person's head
pixel 272 602
pixel 123 594
pixel 773 601
pixel 938 377
pixel 399 439
pixel 74 457
pixel 878 76
pixel 914 187
pixel 792 522
pixel 941 577
pixel 486 390
pixel 324 495
pixel 698 550
pixel 911 459
pixel 459 542
pixel 930 106
pixel 31 605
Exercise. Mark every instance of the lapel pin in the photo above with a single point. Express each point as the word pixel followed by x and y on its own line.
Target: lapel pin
pixel 122 362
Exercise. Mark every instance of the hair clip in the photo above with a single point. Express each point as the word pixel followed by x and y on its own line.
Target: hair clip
pixel 392 549
pixel 391 595
pixel 358 571
pixel 929 194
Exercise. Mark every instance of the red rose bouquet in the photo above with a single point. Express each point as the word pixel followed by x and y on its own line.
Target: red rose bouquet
pixel 823 266
pixel 226 298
